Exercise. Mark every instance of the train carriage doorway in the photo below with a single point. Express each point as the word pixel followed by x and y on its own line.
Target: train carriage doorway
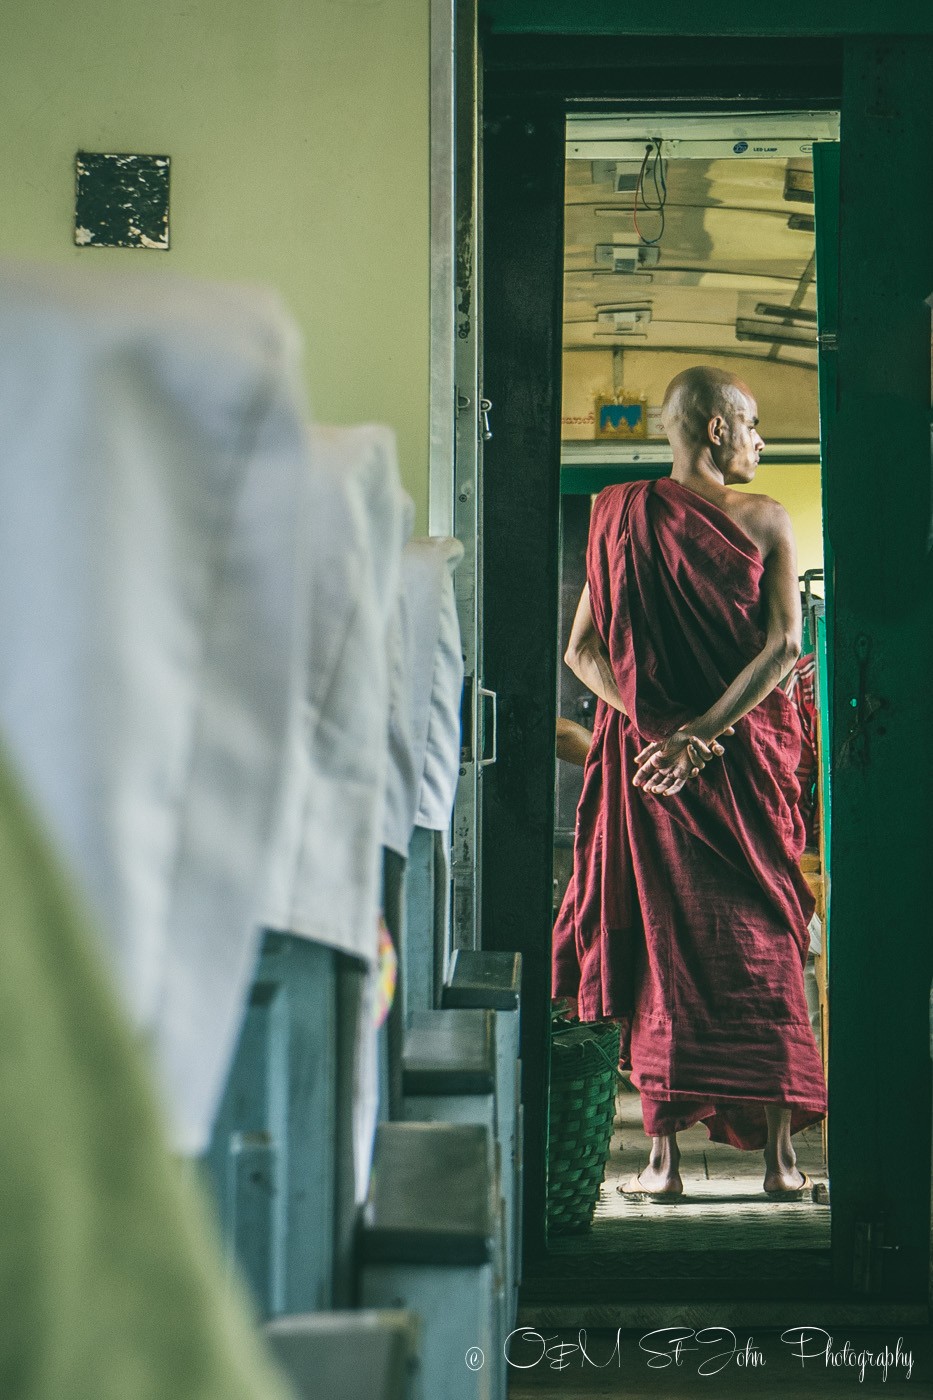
pixel 524 152
pixel 694 244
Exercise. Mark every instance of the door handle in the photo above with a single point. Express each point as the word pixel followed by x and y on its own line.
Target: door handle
pixel 490 695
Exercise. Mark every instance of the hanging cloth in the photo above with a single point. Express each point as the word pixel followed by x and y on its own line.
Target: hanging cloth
pixel 155 479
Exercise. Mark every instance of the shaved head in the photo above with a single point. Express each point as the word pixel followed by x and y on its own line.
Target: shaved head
pixel 697 395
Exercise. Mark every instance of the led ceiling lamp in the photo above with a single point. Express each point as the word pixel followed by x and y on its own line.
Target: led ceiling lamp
pixel 798 186
pixel 786 313
pixel 746 328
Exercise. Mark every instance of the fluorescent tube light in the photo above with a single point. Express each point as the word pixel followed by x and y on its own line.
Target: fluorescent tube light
pixel 748 329
pixel 785 313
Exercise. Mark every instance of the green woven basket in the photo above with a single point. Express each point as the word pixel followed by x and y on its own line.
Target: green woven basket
pixel 584 1072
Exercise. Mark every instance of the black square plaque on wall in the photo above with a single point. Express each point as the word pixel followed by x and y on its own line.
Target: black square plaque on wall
pixel 121 201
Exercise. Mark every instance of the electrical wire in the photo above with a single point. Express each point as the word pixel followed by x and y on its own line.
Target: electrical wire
pixel 659 180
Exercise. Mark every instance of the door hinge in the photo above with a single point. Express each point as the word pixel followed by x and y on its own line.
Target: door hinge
pixel 483 428
pixel 868 1255
pixel 828 340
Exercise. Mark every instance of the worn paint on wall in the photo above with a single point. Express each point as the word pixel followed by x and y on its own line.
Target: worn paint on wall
pixel 299 142
pixel 121 201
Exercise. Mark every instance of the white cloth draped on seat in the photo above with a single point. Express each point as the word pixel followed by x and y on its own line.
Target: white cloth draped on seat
pixel 437 725
pixel 155 476
pixel 425 718
pixel 325 874
pixel 197 600
pixel 326 869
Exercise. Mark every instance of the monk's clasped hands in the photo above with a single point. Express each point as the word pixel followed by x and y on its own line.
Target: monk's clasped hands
pixel 666 765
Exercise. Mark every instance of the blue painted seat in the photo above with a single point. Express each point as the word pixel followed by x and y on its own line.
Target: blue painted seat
pixel 481 978
pixel 361 1355
pixel 425 921
pixel 280 1157
pixel 449 1075
pixel 427 1243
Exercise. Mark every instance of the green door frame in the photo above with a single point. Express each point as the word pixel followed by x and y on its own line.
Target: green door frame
pixel 875 397
pixel 879 1070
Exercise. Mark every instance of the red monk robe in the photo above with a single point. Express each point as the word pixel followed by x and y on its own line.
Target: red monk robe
pixel 686 917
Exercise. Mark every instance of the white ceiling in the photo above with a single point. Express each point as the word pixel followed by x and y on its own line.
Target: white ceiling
pixel 727 248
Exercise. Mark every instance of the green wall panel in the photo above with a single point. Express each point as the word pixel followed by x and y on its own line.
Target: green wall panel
pixel 877 518
pixel 686 17
pixel 299 141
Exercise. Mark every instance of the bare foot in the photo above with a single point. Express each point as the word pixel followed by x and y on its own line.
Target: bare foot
pixel 784 1178
pixel 661 1177
pixel 654 1183
pixel 781 1170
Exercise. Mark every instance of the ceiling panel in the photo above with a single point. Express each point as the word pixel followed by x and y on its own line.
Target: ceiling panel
pixel 726 253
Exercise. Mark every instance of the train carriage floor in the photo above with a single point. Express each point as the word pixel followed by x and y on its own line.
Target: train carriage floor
pixel 722 1207
pixel 723 1257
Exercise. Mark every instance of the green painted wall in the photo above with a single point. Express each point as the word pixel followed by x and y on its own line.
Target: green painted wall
pixel 686 17
pixel 298 132
pixel 878 517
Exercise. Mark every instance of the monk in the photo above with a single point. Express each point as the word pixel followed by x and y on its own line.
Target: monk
pixel 686 917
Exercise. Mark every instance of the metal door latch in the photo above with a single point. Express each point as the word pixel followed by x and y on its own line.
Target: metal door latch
pixel 485 430
pixel 870 1247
